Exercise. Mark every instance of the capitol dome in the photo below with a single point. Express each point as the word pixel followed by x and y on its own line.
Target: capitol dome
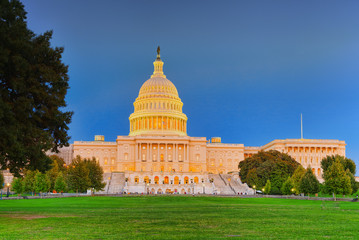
pixel 158 108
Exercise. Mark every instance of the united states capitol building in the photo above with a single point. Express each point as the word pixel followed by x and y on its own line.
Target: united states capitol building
pixel 159 157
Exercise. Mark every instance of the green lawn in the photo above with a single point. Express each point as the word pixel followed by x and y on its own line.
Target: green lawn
pixel 177 217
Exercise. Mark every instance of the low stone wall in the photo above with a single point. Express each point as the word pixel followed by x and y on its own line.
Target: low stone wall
pixel 189 195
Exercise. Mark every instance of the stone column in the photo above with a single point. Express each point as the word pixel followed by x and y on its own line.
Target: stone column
pixel 175 152
pixel 187 152
pixel 166 157
pixel 136 152
pixel 150 150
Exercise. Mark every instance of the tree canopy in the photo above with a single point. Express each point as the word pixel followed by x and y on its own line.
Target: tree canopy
pixel 1 180
pixel 297 178
pixel 33 85
pixel 336 179
pixel 309 183
pixel 271 165
pixel 346 162
pixel 78 175
pixel 95 174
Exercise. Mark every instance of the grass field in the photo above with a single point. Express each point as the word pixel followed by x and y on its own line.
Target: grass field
pixel 177 217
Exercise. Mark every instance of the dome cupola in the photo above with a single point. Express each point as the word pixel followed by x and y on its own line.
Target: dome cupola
pixel 158 108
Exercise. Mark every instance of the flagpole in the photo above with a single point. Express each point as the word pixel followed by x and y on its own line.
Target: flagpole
pixel 301 126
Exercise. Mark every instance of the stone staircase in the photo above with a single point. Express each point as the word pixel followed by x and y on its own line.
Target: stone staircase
pixel 230 184
pixel 237 185
pixel 116 183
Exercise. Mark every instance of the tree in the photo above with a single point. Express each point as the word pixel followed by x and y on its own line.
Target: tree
pixel 253 179
pixel 78 175
pixel 271 165
pixel 52 174
pixel 353 183
pixel 42 182
pixel 33 86
pixel 95 174
pixel 336 179
pixel 1 180
pixel 59 161
pixel 60 184
pixel 288 186
pixel 346 162
pixel 309 183
pixel 29 181
pixel 267 187
pixel 297 178
pixel 17 186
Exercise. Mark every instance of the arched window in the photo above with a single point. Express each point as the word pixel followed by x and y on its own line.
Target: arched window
pixel 157 179
pixel 146 179
pixel 186 180
pixel 176 180
pixel 143 157
pixel 195 179
pixel 318 172
pixel 166 181
pixel 136 179
pixel 162 158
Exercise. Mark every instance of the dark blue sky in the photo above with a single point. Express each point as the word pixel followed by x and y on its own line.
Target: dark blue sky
pixel 245 70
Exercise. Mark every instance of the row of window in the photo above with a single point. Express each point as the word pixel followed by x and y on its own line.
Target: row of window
pixel 158 105
pixel 166 180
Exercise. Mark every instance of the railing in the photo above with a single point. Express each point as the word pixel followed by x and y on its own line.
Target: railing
pixel 232 188
pixel 222 179
pixel 109 183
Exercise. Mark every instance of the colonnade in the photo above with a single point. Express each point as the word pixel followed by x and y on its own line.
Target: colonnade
pixel 172 152
pixel 158 123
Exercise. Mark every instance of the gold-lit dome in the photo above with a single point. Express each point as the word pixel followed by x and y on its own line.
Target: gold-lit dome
pixel 158 108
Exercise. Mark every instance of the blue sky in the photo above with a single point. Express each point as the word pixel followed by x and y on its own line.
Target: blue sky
pixel 245 70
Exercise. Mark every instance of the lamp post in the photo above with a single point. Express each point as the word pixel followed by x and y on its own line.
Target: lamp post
pixel 8 192
pixel 254 186
pixel 204 190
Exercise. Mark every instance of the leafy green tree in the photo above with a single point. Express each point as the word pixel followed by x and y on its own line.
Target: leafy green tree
pixel 95 174
pixel 353 183
pixel 346 162
pixel 288 186
pixel 1 179
pixel 267 187
pixel 78 176
pixel 271 165
pixel 336 179
pixel 42 182
pixel 29 181
pixel 309 183
pixel 60 184
pixel 61 165
pixel 33 87
pixel 297 178
pixel 17 186
pixel 52 174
